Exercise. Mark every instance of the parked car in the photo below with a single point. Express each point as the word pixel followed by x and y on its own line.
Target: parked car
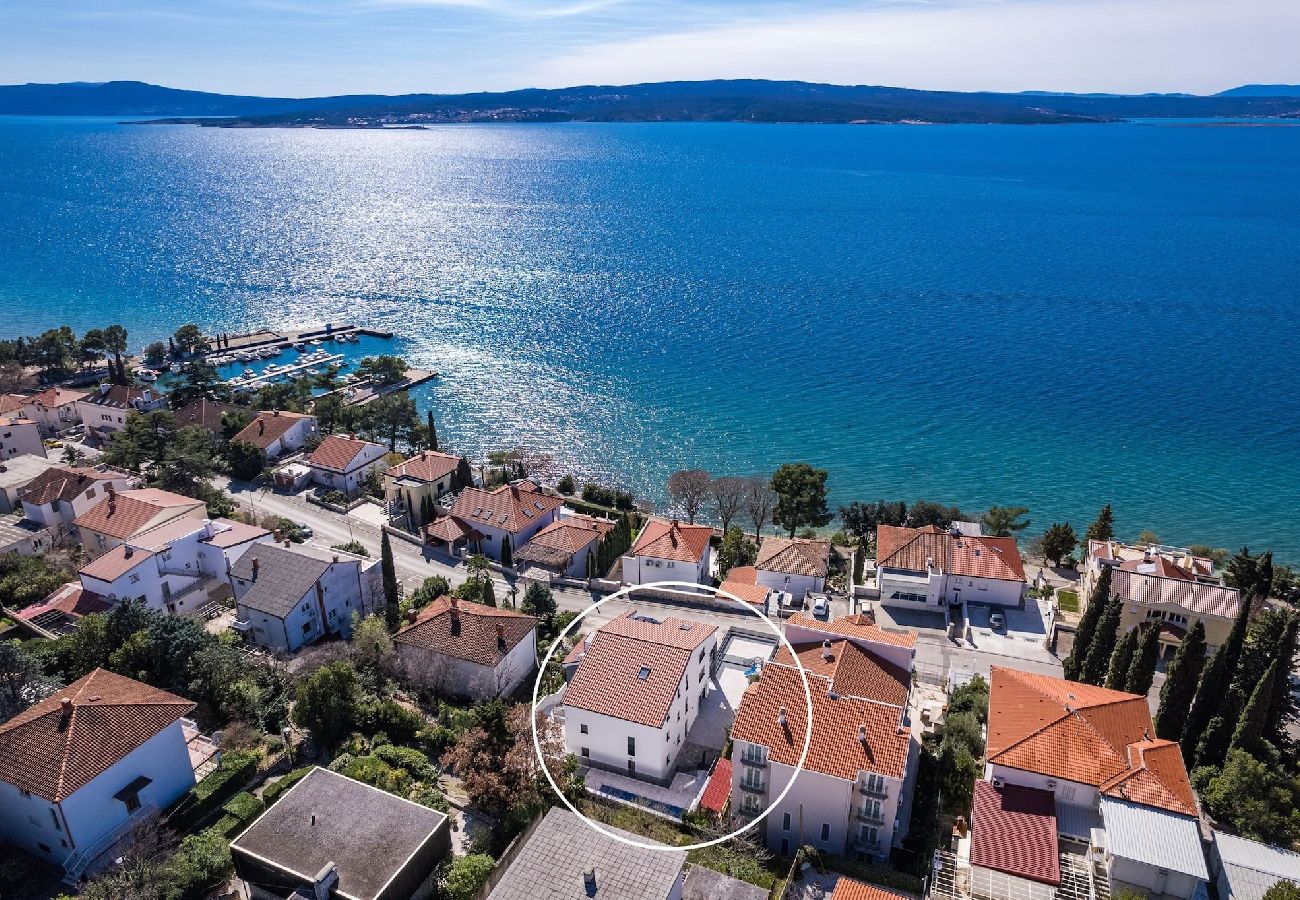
pixel 305 531
pixel 821 608
pixel 997 621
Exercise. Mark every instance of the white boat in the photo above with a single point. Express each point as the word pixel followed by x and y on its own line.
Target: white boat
pixel 243 356
pixel 337 364
pixel 249 373
pixel 353 338
pixel 147 375
pixel 300 347
pixel 269 353
pixel 175 368
pixel 314 343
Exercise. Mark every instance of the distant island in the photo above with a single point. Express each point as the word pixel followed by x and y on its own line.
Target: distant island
pixel 735 100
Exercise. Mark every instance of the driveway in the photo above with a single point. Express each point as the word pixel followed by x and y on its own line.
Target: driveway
pixel 1023 637
pixel 718 710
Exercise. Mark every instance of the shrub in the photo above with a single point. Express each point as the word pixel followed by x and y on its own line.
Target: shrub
pixel 200 863
pixel 208 795
pixel 352 547
pixel 462 877
pixel 244 806
pixel 399 723
pixel 334 498
pixel 273 791
pixel 407 758
pixel 375 772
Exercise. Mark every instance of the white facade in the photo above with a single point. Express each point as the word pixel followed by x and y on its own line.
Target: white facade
pixel 855 819
pixel 54 419
pixel 347 586
pixel 19 437
pixel 905 588
pixel 797 585
pixel 104 419
pixel 56 831
pixel 649 569
pixel 492 534
pixel 1072 793
pixel 463 678
pixel 896 654
pixel 351 479
pixel 59 514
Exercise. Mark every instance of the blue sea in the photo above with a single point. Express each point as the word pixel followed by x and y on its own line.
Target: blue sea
pixel 1053 316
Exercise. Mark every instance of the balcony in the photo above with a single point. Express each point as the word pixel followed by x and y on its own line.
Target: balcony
pixel 753 787
pixel 862 845
pixel 880 790
pixel 871 817
pixel 753 759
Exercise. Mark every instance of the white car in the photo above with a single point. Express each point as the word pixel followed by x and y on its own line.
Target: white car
pixel 997 621
pixel 821 608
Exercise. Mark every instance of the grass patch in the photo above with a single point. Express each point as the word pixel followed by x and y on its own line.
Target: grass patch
pixel 1069 601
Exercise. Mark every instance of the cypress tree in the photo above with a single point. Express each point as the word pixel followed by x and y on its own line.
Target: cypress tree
pixel 507 558
pixel 591 565
pixel 1213 746
pixel 1121 660
pixel 1103 644
pixel 1142 671
pixel 464 475
pixel 1087 629
pixel 433 431
pixel 1215 682
pixel 392 612
pixel 1253 725
pixel 1281 708
pixel 1179 689
pixel 1101 530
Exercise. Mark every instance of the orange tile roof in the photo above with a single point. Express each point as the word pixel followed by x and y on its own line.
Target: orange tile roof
pixel 861 625
pixel 204 412
pixel 958 554
pixel 52 754
pixel 338 452
pixel 427 465
pixel 54 397
pixel 718 788
pixel 118 396
pixel 743 575
pixel 1013 830
pixel 71 599
pixel 794 556
pixel 63 483
pixel 115 563
pixel 662 539
pixel 510 507
pixel 564 539
pixel 835 749
pixel 124 515
pixel 607 681
pixel 11 402
pixel 478 640
pixel 1085 734
pixel 451 529
pixel 749 592
pixel 267 428
pixel 853 672
pixel 851 889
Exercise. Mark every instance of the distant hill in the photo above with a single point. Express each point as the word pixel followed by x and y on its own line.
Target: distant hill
pixel 735 100
pixel 1263 90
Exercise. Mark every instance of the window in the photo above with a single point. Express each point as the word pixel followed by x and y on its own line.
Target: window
pixel 586 752
pixel 667 737
pixel 826 831
pixel 643 674
pixel 785 822
pixel 631 746
pixel 631 765
pixel 306 628
pixel 135 576
pixel 44 848
pixel 132 802
pixel 583 728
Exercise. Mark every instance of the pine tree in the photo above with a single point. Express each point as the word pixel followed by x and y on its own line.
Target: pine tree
pixel 433 431
pixel 1215 682
pixel 1103 529
pixel 1282 708
pixel 1087 629
pixel 1103 645
pixel 1179 689
pixel 1253 725
pixel 1142 670
pixel 507 558
pixel 392 611
pixel 1121 660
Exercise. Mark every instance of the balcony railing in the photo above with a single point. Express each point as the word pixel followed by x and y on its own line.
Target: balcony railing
pixel 867 789
pixel 753 759
pixel 871 816
pixel 753 787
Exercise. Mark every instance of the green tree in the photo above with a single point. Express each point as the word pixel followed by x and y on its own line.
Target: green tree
pixel 189 339
pixel 115 337
pixel 863 519
pixel 371 646
pixel 507 555
pixel 1148 538
pixel 464 475
pixel 25 580
pixel 728 496
pixel 431 431
pixel 1142 671
pixel 735 550
pixel 383 369
pixel 327 702
pixel 155 353
pixel 22 680
pixel 1103 643
pixel 394 415
pixel 1087 630
pixel 1059 542
pixel 567 486
pixel 540 602
pixel 1103 528
pixel 1256 800
pixel 1216 679
pixel 689 488
pixel 1253 725
pixel 430 589
pixel 1283 890
pixel 328 410
pixel 462 876
pixel 800 497
pixel 478 586
pixel 1004 521
pixel 1121 660
pixel 926 512
pixel 245 460
pixel 1215 742
pixel 392 611
pixel 1179 689
pixel 92 346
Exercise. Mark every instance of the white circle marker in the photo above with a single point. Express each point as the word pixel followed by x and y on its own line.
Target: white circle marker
pixel 676 848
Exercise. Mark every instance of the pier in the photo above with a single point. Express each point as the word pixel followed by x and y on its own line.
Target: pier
pixel 291 371
pixel 267 337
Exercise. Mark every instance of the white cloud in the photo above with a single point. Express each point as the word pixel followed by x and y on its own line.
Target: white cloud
pixel 1077 45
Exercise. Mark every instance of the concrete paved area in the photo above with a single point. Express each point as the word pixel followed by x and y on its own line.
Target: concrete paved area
pixel 1022 638
pixel 706 884
pixel 682 793
pixel 718 709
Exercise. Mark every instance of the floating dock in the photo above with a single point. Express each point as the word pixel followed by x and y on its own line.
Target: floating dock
pixel 293 371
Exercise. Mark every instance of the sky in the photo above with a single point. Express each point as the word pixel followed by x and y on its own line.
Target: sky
pixel 318 47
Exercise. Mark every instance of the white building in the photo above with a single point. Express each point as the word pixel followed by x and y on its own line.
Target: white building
pixel 344 463
pixel 415 484
pixel 54 409
pixel 929 567
pixel 1245 870
pixel 81 769
pixel 287 597
pixel 277 432
pixel 470 650
pixel 16 474
pixel 849 798
pixel 105 410
pixel 59 495
pixel 568 546
pixel 174 567
pixel 19 436
pixel 636 692
pixel 122 515
pixel 797 566
pixel 669 551
pixel 484 521
pixel 1118 791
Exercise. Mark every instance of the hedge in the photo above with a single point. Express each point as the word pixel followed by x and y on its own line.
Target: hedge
pixel 244 806
pixel 273 791
pixel 209 794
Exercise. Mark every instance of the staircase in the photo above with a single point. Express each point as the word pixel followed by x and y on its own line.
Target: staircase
pixel 78 861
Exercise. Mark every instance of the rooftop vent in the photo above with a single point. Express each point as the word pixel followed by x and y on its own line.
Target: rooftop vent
pixel 826 649
pixel 862 734
pixel 780 717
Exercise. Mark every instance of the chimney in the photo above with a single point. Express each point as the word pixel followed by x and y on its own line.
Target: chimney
pixel 780 717
pixel 862 734
pixel 287 542
pixel 411 616
pixel 275 413
pixel 275 536
pixel 261 426
pixel 501 636
pixel 589 880
pixel 112 491
pixel 147 396
pixel 128 550
pixel 826 649
pixel 256 565
pixel 455 620
pixel 66 705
